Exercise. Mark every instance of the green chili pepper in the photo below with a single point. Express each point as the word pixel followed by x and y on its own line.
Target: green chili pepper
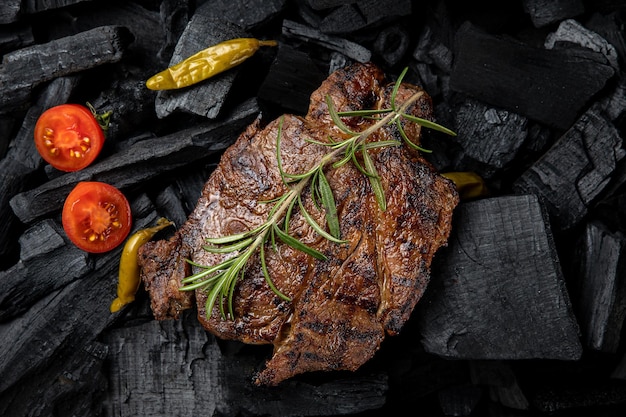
pixel 129 279
pixel 207 63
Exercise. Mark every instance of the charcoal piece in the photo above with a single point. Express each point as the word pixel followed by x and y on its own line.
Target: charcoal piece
pixel 15 36
pixel 559 397
pixel 62 323
pixel 40 239
pixel 344 19
pixel 350 49
pixel 491 137
pixel 32 278
pixel 131 105
pixel 78 376
pixel 10 11
pixel 248 14
pixel 609 27
pixel 139 163
pixel 360 15
pixel 26 68
pixel 573 173
pixel 375 11
pixel 293 76
pixel 15 178
pixel 327 4
pixel 620 370
pixel 36 6
pixel 501 383
pixel 432 50
pixel 548 86
pixel 570 31
pixel 601 290
pixel 168 204
pixel 189 375
pixel 545 12
pixel 459 400
pixel 392 44
pixel 207 97
pixel 497 291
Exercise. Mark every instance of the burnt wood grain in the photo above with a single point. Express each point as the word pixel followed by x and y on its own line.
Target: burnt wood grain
pixel 499 288
pixel 556 84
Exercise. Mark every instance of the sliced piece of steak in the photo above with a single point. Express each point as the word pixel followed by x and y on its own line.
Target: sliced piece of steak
pixel 341 308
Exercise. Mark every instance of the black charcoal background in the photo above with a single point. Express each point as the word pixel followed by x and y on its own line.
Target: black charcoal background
pixel 524 313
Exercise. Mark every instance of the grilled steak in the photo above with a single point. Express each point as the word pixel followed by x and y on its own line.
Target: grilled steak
pixel 341 308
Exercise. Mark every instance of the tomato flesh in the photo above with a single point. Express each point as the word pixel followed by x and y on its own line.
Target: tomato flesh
pixel 96 217
pixel 68 137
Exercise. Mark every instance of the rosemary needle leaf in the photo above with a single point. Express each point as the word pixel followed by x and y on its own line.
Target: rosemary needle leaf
pixel 335 117
pixel 382 144
pixel 377 186
pixel 428 124
pixel 363 113
pixel 409 141
pixel 396 87
pixel 328 202
pixel 266 274
pixel 229 248
pixel 316 226
pixel 296 244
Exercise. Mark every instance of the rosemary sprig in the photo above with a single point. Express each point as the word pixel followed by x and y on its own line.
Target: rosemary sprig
pixel 220 280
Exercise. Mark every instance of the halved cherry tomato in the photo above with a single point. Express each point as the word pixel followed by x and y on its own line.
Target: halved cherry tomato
pixel 68 137
pixel 96 216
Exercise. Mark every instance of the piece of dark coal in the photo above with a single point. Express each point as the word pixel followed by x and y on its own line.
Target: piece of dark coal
pixel 45 339
pixel 10 11
pixel 292 77
pixel 352 50
pixel 545 12
pixel 31 278
pixel 15 37
pixel 216 384
pixel 548 86
pixel 327 4
pixel 35 6
pixel 572 32
pixel 501 382
pixel 459 400
pixel 26 68
pixel 207 97
pixel 600 296
pixel 246 14
pixel 572 174
pixel 609 27
pixel 139 162
pixel 358 16
pixel 491 137
pixel 497 290
pixel 392 44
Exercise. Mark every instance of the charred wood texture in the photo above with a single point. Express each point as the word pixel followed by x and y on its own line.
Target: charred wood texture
pixel 528 299
pixel 26 68
pixel 548 86
pixel 502 253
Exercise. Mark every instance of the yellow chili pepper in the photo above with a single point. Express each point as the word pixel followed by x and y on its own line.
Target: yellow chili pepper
pixel 128 280
pixel 468 184
pixel 207 63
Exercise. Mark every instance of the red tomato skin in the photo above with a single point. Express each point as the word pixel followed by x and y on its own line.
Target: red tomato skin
pixel 96 217
pixel 68 137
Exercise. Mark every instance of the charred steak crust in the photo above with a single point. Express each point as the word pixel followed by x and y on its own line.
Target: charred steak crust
pixel 343 307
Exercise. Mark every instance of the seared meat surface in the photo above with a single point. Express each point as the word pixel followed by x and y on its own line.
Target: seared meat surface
pixel 341 308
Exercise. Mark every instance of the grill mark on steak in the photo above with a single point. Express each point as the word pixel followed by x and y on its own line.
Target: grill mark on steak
pixel 343 307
